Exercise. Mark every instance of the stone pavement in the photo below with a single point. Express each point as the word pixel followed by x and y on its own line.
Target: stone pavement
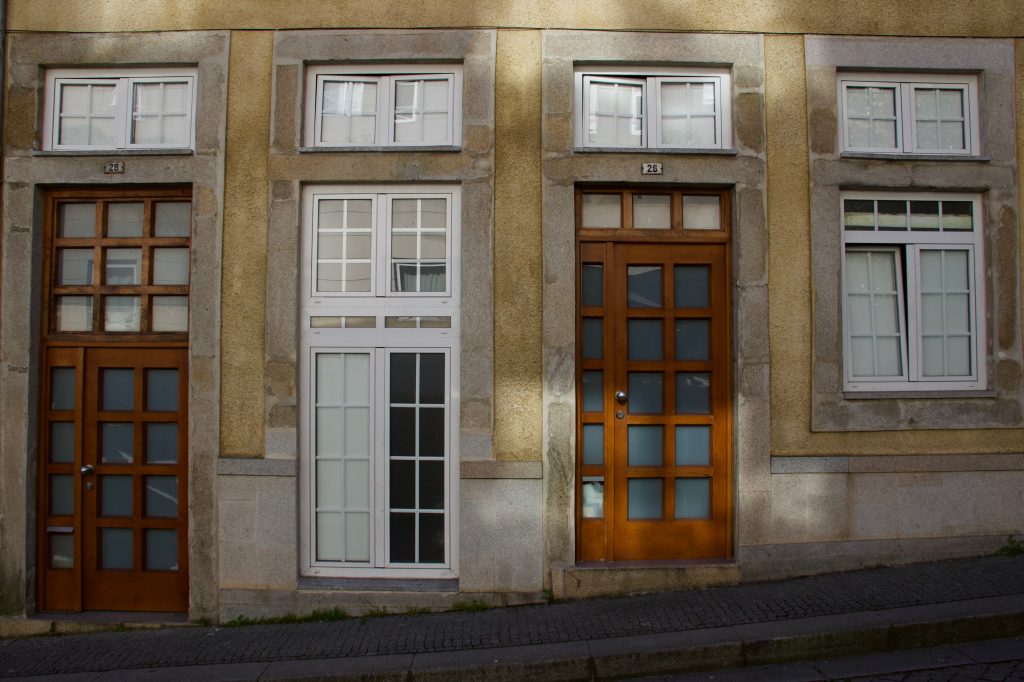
pixel 752 624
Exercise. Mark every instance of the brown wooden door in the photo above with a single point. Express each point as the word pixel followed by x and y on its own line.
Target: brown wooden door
pixel 115 480
pixel 655 402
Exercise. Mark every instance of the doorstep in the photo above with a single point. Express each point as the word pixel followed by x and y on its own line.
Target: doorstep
pixel 617 578
pixel 87 621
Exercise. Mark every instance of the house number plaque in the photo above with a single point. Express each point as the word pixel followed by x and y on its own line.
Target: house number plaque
pixel 650 168
pixel 113 167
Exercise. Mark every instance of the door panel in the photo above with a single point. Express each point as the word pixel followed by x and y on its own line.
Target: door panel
pixel 655 399
pixel 115 480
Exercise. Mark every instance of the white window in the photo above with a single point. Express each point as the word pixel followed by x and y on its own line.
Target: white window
pixel 380 358
pixel 913 291
pixel 909 114
pixel 361 106
pixel 634 107
pixel 119 109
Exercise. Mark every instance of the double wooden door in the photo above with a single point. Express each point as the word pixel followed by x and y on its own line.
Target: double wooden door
pixel 654 479
pixel 114 479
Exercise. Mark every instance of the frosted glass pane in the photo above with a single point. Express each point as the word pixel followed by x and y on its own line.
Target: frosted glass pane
pixel 433 246
pixel 644 498
pixel 931 271
pixel 643 286
pixel 652 211
pixel 675 132
pixel 62 442
pixel 357 378
pixel 673 99
pixel 62 388
pixel 74 130
pixel 883 101
pixel 357 431
pixel 161 549
pixel 161 443
pixel 124 266
pixel 701 213
pixel 863 351
pixel 693 498
pixel 951 135
pixel 162 390
pixel 101 131
pixel 593 391
pixel 955 278
pixel 593 284
pixel 958 356
pixel 602 210
pixel 357 536
pixel 146 130
pixel 601 131
pixel 693 393
pixel 435 95
pixel 702 132
pixel 858 132
pixel 62 495
pixel 889 361
pixel 117 443
pixel 645 393
pixel 593 338
pixel 693 340
pixel 170 266
pixel 329 484
pixel 329 431
pixel 122 313
pixel 693 446
pixel 62 550
pixel 75 99
pixel 927 135
pixel 357 484
pixel 857 279
pixel 118 389
pixel 646 446
pixel 435 128
pixel 883 271
pixel 691 286
pixel 115 548
pixel 628 132
pixel 957 313
pixel 702 98
pixel 124 219
pixel 924 103
pixel 885 312
pixel 74 267
pixel 330 277
pixel 883 134
pixel 931 313
pixel 329 533
pixel 593 444
pixel 329 386
pixel 77 220
pixel 932 361
pixel 859 310
pixel 115 495
pixel 172 218
pixel 175 130
pixel 593 499
pixel 644 339
pixel 162 496
pixel 170 313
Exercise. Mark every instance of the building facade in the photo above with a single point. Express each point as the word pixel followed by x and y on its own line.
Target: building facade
pixel 309 306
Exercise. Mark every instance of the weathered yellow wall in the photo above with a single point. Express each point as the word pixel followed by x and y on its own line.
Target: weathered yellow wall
pixel 869 17
pixel 517 247
pixel 243 293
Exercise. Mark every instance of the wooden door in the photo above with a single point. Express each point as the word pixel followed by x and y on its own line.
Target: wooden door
pixel 655 401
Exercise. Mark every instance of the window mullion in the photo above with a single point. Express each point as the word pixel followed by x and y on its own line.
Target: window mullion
pixel 913 301
pixel 379 470
pixel 123 114
pixel 386 111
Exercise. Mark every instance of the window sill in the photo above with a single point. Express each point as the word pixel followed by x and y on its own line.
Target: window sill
pixel 403 149
pixel 914 157
pixel 380 584
pixel 183 151
pixel 917 395
pixel 649 151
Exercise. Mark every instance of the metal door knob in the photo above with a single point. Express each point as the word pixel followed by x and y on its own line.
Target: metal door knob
pixel 620 396
pixel 87 469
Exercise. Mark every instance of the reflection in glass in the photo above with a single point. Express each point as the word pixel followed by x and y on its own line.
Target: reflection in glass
pixel 74 267
pixel 643 286
pixel 117 443
pixel 644 498
pixel 602 210
pixel 701 213
pixel 652 211
pixel 646 445
pixel 593 497
pixel 693 393
pixel 124 266
pixel 693 446
pixel 121 313
pixel 124 219
pixel 645 393
pixel 74 313
pixel 692 340
pixel 62 550
pixel 161 549
pixel 162 496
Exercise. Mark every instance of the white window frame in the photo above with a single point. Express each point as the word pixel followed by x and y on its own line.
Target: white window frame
pixel 904 86
pixel 908 245
pixel 380 341
pixel 124 81
pixel 651 79
pixel 385 77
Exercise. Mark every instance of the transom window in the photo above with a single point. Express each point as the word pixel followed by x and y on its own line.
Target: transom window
pixel 119 109
pixel 635 107
pixel 649 212
pixel 383 106
pixel 912 291
pixel 909 113
pixel 120 266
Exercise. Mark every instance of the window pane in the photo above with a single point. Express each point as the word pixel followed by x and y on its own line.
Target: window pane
pixel 646 445
pixel 159 114
pixel 329 534
pixel 593 338
pixel 124 267
pixel 692 340
pixel 693 445
pixel 957 215
pixel 62 495
pixel 161 443
pixel 403 538
pixel 701 213
pixel 62 550
pixel 691 286
pixel 172 218
pixel 858 214
pixel 161 549
pixel 602 210
pixel 74 267
pixel 643 286
pixel 644 498
pixel 432 379
pixel 78 220
pixel 644 339
pixel 693 393
pixel 892 215
pixel 124 219
pixel 62 388
pixel 593 284
pixel 615 114
pixel 593 444
pixel 431 546
pixel 348 111
pixel 652 211
pixel 117 443
pixel 170 313
pixel 646 393
pixel 924 215
pixel 431 485
pixel 357 536
pixel 62 442
pixel 593 391
pixel 115 495
pixel 958 356
pixel 403 378
pixel 170 266
pixel 593 498
pixel 121 313
pixel 74 313
pixel 402 488
pixel 162 390
pixel 115 548
pixel 118 389
pixel 162 496
pixel 693 498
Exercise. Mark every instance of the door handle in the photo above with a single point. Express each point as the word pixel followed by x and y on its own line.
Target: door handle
pixel 620 397
pixel 87 469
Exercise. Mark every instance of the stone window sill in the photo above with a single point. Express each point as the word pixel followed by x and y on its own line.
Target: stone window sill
pixel 114 152
pixel 404 150
pixel 914 157
pixel 656 151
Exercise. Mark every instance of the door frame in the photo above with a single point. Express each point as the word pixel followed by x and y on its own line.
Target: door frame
pixel 598 532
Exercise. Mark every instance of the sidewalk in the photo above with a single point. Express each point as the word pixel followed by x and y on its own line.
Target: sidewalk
pixel 830 615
